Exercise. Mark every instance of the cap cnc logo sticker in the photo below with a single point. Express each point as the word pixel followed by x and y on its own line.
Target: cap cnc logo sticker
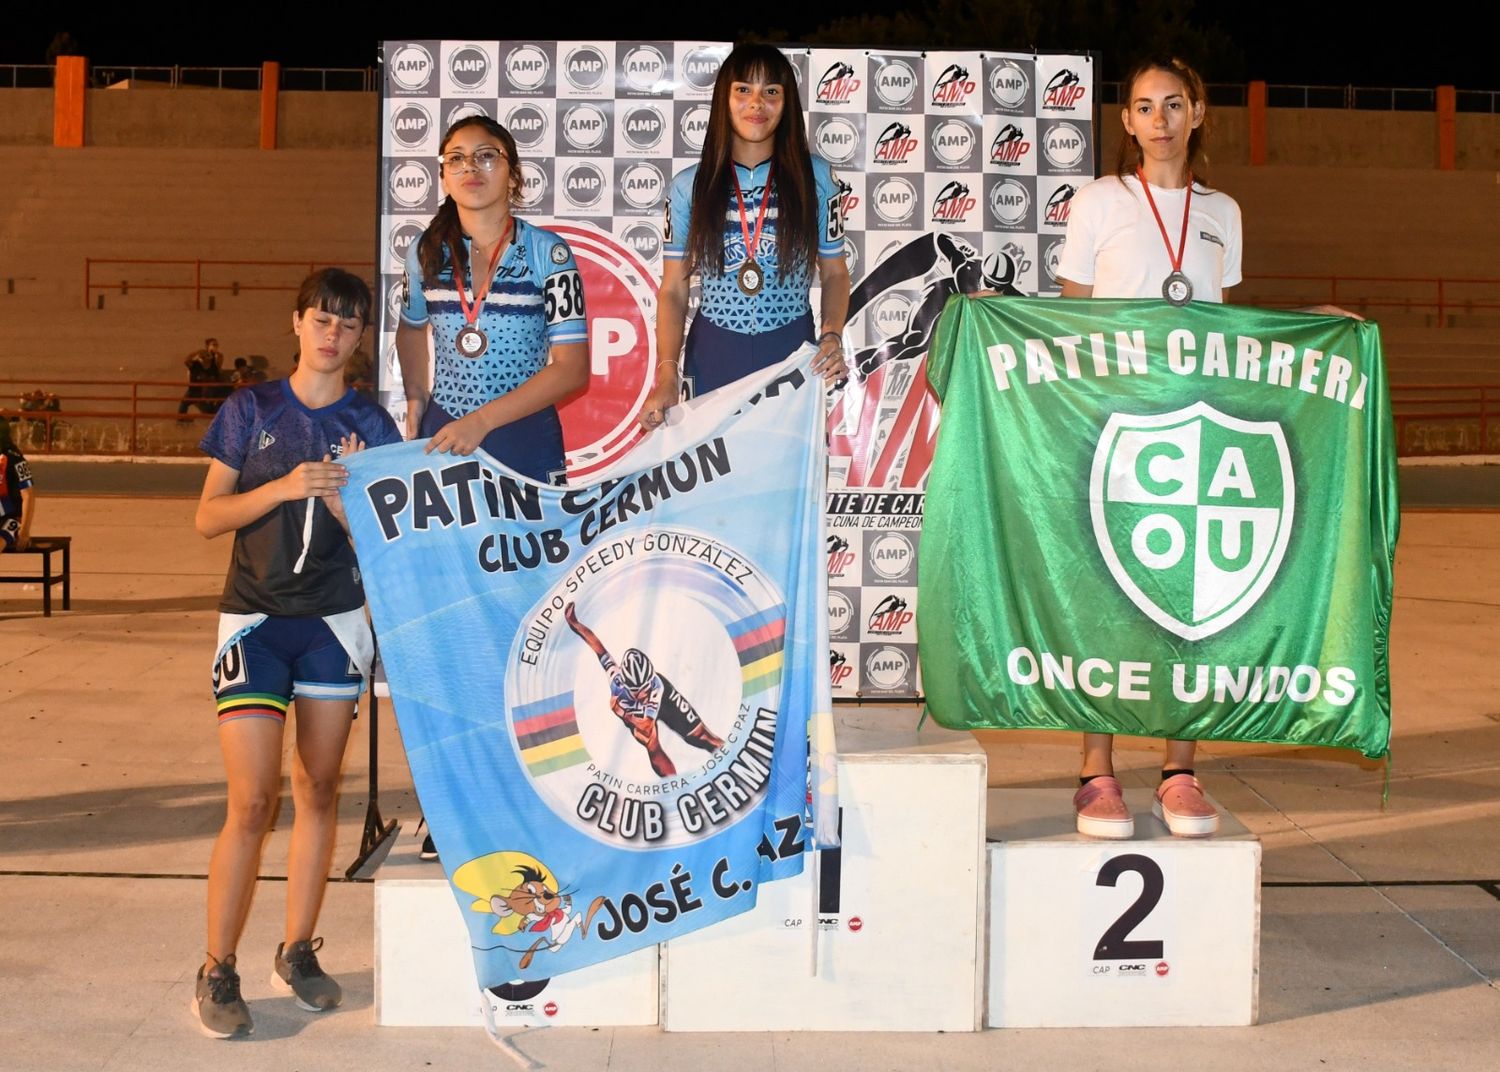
pixel 1063 93
pixel 1010 146
pixel 1192 513
pixel 1058 205
pixel 411 67
pixel 953 87
pixel 953 142
pixel 469 66
pixel 1009 85
pixel 700 67
pixel 895 83
pixel 1064 146
pixel 585 68
pixel 895 144
pixel 838 84
pixel 644 127
pixel 526 67
pixel 892 557
pixel 583 185
pixel 533 184
pixel 887 667
pixel 895 199
pixel 527 124
pixel 642 185
pixel 410 183
pixel 645 68
pixel 837 139
pixel 411 124
pixel 706 691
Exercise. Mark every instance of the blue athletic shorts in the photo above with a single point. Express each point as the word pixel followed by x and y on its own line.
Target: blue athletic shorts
pixel 281 658
pixel 715 356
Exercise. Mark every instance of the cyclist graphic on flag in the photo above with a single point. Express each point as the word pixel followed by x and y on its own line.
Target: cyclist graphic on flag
pixel 642 698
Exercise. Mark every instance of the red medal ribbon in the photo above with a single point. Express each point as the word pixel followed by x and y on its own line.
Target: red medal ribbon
pixel 1186 206
pixel 752 242
pixel 471 311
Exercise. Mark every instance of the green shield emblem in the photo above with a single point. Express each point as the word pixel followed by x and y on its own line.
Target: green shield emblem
pixel 1192 512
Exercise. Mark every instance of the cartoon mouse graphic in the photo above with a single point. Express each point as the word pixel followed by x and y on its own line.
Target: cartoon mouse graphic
pixel 542 911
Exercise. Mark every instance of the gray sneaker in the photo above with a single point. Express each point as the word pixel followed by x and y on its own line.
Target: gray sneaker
pixel 221 1011
pixel 299 974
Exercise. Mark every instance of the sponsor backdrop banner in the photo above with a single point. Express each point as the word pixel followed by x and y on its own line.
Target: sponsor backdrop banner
pixel 607 692
pixel 947 160
pixel 1160 521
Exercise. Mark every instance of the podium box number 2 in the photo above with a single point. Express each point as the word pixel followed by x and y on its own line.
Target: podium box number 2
pixel 1154 931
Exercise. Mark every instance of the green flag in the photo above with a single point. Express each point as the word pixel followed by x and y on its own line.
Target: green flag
pixel 1159 521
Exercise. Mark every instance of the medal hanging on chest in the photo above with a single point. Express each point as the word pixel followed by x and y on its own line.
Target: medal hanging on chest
pixel 1177 288
pixel 471 341
pixel 751 276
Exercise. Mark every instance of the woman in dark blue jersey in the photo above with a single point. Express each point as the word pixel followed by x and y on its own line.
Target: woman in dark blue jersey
pixel 756 218
pixel 504 301
pixel 292 626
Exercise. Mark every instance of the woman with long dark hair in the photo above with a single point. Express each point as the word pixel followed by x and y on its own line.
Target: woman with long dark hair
pixel 757 218
pixel 504 301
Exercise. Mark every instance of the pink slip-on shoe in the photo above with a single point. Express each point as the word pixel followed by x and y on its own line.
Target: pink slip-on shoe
pixel 1181 805
pixel 1100 808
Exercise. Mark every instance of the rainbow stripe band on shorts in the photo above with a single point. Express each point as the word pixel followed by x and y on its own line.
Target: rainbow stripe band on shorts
pixel 252 705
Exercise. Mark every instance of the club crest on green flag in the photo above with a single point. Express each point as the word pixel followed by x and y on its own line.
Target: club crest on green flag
pixel 1160 521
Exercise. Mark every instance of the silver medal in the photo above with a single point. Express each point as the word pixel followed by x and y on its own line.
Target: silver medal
pixel 1177 289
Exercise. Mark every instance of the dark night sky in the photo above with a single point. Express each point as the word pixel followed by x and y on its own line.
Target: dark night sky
pixel 1300 43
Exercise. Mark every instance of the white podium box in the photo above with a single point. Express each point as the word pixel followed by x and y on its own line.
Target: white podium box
pixel 424 969
pixel 899 907
pixel 1156 931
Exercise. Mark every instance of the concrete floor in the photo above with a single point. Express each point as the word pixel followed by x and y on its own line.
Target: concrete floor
pixel 1380 930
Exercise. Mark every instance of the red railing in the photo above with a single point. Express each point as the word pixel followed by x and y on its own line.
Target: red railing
pixel 140 417
pixel 1443 297
pixel 205 276
pixel 1447 411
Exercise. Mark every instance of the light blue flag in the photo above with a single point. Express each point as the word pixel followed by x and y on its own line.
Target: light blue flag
pixel 607 692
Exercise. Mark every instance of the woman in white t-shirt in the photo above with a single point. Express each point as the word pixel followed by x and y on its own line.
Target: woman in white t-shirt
pixel 1151 230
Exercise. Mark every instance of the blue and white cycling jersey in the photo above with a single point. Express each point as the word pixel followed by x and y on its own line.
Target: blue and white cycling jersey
pixel 782 299
pixel 535 301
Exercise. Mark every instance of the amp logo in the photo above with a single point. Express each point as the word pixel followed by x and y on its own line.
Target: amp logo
pixel 1063 92
pixel 1192 513
pixel 839 669
pixel 838 84
pixel 953 87
pixel 890 616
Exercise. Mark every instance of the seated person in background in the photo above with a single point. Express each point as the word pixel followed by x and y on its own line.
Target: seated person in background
pixel 204 366
pixel 245 373
pixel 17 499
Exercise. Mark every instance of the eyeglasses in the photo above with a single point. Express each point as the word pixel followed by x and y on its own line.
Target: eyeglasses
pixel 485 159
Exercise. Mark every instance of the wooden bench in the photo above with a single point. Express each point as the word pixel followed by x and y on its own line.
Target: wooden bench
pixel 44 547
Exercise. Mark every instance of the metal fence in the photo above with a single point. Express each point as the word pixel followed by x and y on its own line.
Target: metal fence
pixel 1362 98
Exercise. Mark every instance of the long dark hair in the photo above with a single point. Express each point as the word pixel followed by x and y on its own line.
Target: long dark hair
pixel 796 195
pixel 1130 156
pixel 445 232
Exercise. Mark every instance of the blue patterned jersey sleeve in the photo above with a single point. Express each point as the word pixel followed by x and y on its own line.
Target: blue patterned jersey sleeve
pixel 562 291
pixel 413 301
pixel 228 437
pixel 830 209
pixel 678 214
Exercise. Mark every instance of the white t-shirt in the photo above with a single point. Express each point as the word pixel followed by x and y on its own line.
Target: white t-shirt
pixel 1114 244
